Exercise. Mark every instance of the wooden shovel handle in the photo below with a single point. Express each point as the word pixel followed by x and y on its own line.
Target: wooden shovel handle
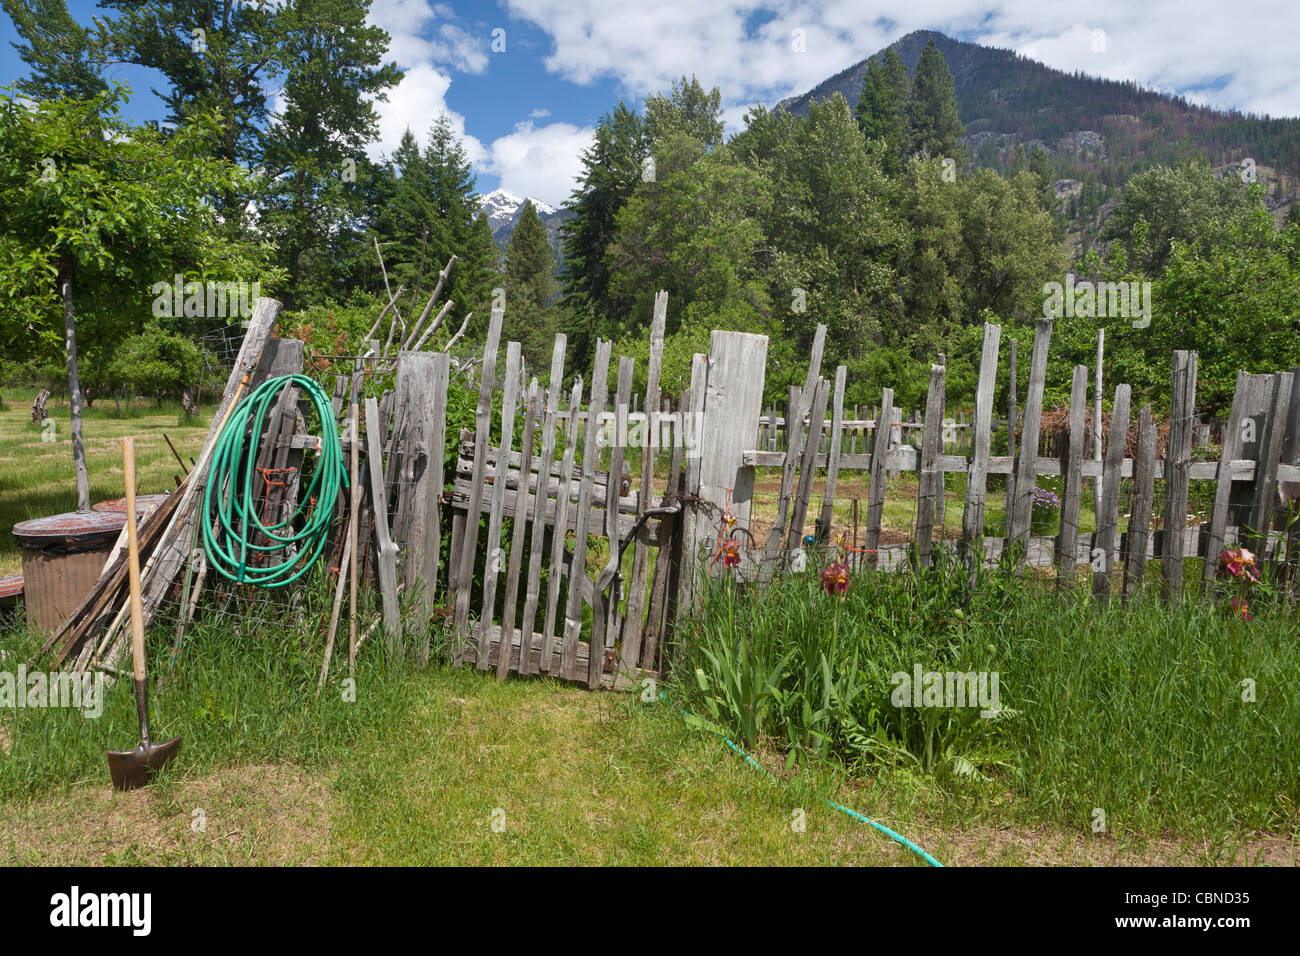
pixel 133 560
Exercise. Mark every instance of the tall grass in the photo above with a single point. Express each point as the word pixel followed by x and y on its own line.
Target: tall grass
pixel 1143 712
pixel 238 695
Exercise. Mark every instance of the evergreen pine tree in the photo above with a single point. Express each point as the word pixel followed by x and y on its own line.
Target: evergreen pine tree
pixel 530 287
pixel 936 127
pixel 882 110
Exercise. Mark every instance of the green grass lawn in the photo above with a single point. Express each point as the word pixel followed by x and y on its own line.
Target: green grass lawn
pixel 37 476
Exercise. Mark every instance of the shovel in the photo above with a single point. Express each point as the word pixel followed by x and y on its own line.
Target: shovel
pixel 134 768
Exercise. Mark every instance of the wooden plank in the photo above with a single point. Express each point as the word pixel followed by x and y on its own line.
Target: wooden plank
pixel 519 528
pixel 794 447
pixel 385 549
pixel 1270 456
pixel 977 476
pixel 833 459
pixel 1022 511
pixel 1232 434
pixel 1066 552
pixel 1138 539
pixel 422 379
pixel 633 623
pixel 876 488
pixel 532 593
pixel 929 485
pixel 807 466
pixel 1012 385
pixel 482 437
pixel 559 524
pixel 494 557
pixel 733 398
pixel 657 620
pixel 1107 539
pixel 578 574
pixel 695 526
pixel 605 607
pixel 941 499
pixel 1177 459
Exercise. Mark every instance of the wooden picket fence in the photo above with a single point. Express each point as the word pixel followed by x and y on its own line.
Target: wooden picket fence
pixel 1257 474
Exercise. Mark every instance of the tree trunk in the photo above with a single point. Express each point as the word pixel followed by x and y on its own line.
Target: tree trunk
pixel 74 391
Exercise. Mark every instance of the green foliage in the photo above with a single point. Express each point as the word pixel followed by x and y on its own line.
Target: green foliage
pixel 936 127
pixel 882 109
pixel 1091 710
pixel 110 208
pixel 156 362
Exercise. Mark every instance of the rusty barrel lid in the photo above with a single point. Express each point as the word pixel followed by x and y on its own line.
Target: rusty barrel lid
pixel 143 504
pixel 70 532
pixel 11 586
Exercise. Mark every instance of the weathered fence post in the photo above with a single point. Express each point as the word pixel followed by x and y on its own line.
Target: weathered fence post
pixel 422 391
pixel 977 475
pixel 1177 471
pixel 733 398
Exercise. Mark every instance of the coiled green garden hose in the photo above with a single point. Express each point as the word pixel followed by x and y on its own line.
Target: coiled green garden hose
pixel 230 499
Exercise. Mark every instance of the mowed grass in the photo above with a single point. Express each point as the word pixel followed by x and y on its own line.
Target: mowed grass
pixel 37 477
pixel 450 766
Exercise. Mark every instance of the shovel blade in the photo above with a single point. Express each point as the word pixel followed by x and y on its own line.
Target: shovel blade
pixel 134 768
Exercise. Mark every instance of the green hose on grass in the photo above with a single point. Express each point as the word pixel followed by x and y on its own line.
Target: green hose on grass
pixel 230 503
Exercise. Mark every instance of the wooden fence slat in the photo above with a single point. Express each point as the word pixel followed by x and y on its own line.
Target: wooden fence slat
pixel 929 484
pixel 1012 384
pixel 1108 516
pixel 1177 462
pixel 808 466
pixel 604 608
pixel 532 591
pixel 558 528
pixel 517 542
pixel 633 620
pixel 578 566
pixel 385 549
pixel 794 446
pixel 1223 480
pixel 876 487
pixel 695 525
pixel 1024 484
pixel 1270 456
pixel 422 379
pixel 482 435
pixel 493 556
pixel 833 464
pixel 1072 466
pixel 1139 522
pixel 977 476
pixel 660 595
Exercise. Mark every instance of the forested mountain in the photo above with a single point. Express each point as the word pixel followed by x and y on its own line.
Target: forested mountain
pixel 1095 133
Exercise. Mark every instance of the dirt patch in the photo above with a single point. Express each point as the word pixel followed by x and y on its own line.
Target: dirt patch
pixel 263 815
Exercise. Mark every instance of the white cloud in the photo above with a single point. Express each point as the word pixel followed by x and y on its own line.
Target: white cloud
pixel 540 113
pixel 418 37
pixel 540 161
pixel 415 103
pixel 1182 44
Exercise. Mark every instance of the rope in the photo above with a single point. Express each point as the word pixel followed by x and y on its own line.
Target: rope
pixel 852 814
pixel 231 542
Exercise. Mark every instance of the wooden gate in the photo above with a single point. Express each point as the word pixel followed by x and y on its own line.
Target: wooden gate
pixel 579 586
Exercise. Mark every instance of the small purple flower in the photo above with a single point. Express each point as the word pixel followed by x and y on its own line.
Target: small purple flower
pixel 1046 499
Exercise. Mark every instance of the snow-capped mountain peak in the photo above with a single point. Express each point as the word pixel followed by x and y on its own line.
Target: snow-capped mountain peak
pixel 502 208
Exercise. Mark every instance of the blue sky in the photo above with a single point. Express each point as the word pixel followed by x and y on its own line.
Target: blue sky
pixel 526 111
